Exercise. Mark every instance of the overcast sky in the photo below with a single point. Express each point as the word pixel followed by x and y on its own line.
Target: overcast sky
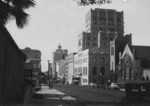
pixel 54 22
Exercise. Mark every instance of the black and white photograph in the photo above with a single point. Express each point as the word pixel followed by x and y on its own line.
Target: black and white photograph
pixel 74 53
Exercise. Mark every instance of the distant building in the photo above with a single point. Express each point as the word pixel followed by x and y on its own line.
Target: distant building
pixel 69 67
pixel 34 57
pixel 58 55
pixel 60 69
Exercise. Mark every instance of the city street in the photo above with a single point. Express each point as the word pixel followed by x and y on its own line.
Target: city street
pixel 71 95
pixel 92 96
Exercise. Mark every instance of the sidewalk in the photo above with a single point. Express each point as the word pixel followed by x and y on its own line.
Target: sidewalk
pixel 52 97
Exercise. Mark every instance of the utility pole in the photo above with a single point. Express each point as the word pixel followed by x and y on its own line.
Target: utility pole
pixel 48 74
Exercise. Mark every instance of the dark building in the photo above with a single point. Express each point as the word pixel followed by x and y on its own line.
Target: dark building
pixel 107 21
pixel 12 62
pixel 34 57
pixel 134 64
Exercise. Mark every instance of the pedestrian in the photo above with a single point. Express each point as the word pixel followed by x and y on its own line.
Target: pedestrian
pixel 108 83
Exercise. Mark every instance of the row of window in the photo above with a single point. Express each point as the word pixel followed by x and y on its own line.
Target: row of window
pixel 84 60
pixel 103 18
pixel 101 60
pixel 80 61
pixel 90 38
pixel 95 71
pixel 81 70
pixel 94 44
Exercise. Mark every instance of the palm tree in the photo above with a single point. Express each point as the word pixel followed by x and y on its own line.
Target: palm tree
pixel 15 9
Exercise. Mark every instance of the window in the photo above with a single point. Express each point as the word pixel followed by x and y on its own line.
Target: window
pixel 84 70
pixel 95 38
pixel 94 70
pixel 105 38
pixel 102 59
pixel 94 59
pixel 84 80
pixel 102 70
pixel 105 44
pixel 94 18
pixel 95 23
pixel 88 38
pixel 87 43
pixel 94 44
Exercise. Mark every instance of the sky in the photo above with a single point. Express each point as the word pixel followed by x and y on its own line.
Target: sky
pixel 54 22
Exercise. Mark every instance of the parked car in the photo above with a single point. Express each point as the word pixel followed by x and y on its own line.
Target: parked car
pixel 75 82
pixel 93 84
pixel 113 86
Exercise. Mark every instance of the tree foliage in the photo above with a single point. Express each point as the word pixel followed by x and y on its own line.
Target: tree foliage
pixel 15 9
pixel 92 2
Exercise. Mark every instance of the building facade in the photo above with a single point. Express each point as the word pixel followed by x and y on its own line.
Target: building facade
pixel 104 20
pixel 92 66
pixel 117 46
pixel 69 67
pixel 60 69
pixel 134 64
pixel 34 57
pixel 81 67
pixel 101 27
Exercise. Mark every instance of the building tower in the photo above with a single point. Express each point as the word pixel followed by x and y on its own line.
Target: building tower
pixel 58 55
pixel 108 21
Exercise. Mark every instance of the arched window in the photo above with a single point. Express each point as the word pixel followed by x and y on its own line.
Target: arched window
pixel 147 79
pixel 102 59
pixel 94 70
pixel 102 70
pixel 143 78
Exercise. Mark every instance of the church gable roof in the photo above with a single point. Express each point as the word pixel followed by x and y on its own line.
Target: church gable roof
pixel 127 51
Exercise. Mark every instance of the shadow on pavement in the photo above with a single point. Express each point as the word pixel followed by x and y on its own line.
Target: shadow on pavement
pixel 57 101
pixel 135 101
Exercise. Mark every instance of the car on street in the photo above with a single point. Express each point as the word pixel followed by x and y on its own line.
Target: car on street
pixel 92 85
pixel 113 86
pixel 75 82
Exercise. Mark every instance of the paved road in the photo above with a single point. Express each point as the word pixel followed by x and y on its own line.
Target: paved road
pixel 98 96
pixel 93 96
pixel 66 95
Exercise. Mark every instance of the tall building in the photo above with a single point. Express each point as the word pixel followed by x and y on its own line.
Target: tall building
pixel 58 55
pixel 107 21
pixel 101 27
